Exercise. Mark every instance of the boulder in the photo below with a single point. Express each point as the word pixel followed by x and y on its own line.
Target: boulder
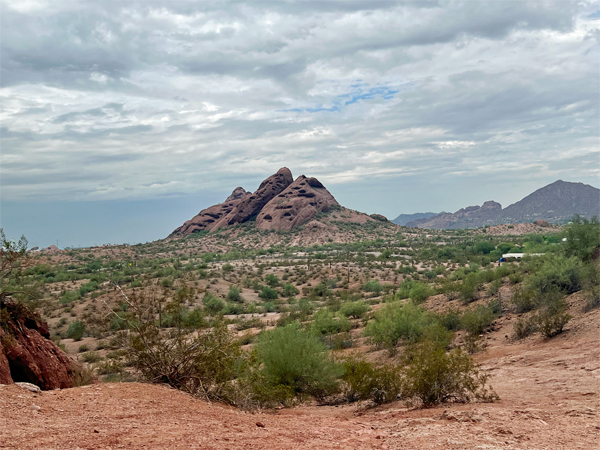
pixel 299 203
pixel 28 355
pixel 237 193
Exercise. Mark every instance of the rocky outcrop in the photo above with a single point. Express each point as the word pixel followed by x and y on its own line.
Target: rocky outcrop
pixel 28 355
pixel 239 207
pixel 299 203
pixel 249 206
pixel 207 219
pixel 379 217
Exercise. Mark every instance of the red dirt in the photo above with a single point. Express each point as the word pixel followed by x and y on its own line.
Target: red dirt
pixel 549 400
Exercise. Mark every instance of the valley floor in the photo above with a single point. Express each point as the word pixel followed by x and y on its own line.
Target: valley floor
pixel 549 400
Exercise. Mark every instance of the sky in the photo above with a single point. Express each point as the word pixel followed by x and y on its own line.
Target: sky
pixel 121 119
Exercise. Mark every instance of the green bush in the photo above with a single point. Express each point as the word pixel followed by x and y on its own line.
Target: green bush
pixel 355 310
pixel 272 280
pixel 556 273
pixel 70 296
pixel 76 330
pixel 552 318
pixel 477 321
pixel 470 286
pixel 397 321
pixel 297 361
pixel 194 319
pixel 212 305
pixel 523 300
pixel 289 290
pixel 373 286
pixel 524 327
pixel 365 381
pixel 325 323
pixel 433 376
pixel 234 294
pixel 268 293
pixel 419 292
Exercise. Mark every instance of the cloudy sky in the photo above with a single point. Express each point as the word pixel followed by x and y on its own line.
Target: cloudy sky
pixel 120 120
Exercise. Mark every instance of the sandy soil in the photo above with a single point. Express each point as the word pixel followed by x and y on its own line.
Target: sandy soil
pixel 549 393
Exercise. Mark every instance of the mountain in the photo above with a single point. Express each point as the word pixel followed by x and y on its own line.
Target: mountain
pixel 554 203
pixel 403 219
pixel 280 203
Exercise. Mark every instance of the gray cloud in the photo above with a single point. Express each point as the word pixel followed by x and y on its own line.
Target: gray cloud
pixel 138 100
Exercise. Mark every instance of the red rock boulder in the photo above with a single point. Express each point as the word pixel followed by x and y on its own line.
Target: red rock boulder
pixel 28 355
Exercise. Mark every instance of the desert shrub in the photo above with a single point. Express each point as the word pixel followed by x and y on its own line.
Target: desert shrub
pixel 523 300
pixel 69 297
pixel 591 285
pixel 478 320
pixel 436 333
pixel 419 292
pixel 433 376
pixel 470 286
pixel 234 294
pixel 76 330
pixel 212 305
pixel 552 317
pixel 83 348
pixel 583 238
pixel 289 290
pixel 494 287
pixel 325 322
pixel 524 327
pixel 450 320
pixel 556 273
pixel 272 280
pixel 91 357
pixel 515 278
pixel 451 289
pixel 355 310
pixel 320 290
pixel 365 381
pixel 373 286
pixel 297 361
pixel 268 293
pixel 395 322
pixel 194 319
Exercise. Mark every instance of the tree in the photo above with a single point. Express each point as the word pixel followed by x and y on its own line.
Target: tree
pixel 14 283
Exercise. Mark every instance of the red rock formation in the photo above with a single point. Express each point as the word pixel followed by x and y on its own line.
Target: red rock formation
pixel 26 353
pixel 251 205
pixel 300 202
pixel 207 218
pixel 239 207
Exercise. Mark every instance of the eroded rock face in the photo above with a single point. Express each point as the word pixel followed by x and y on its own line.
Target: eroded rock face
pixel 300 202
pixel 28 355
pixel 251 205
pixel 208 218
pixel 239 207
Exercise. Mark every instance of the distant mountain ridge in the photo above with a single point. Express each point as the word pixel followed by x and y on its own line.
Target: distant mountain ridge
pixel 554 203
pixel 403 219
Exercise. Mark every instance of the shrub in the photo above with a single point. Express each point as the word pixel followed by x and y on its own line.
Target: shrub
pixel 364 381
pixel 194 319
pixel 69 296
pixel 552 318
pixel 470 287
pixel 268 294
pixel 523 300
pixel 289 290
pixel 76 330
pixel 478 320
pixel 272 280
pixel 419 292
pixel 433 376
pixel 373 286
pixel 212 305
pixel 297 361
pixel 91 357
pixel 234 294
pixel 355 310
pixel 325 322
pixel 321 290
pixel 557 273
pixel 524 327
pixel 395 322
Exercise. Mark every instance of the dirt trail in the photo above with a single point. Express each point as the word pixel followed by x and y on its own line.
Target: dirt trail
pixel 549 390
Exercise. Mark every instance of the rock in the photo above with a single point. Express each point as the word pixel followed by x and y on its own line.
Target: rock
pixel 251 205
pixel 27 355
pixel 299 203
pixel 237 193
pixel 29 387
pixel 35 408
pixel 542 223
pixel 260 424
pixel 239 207
pixel 52 249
